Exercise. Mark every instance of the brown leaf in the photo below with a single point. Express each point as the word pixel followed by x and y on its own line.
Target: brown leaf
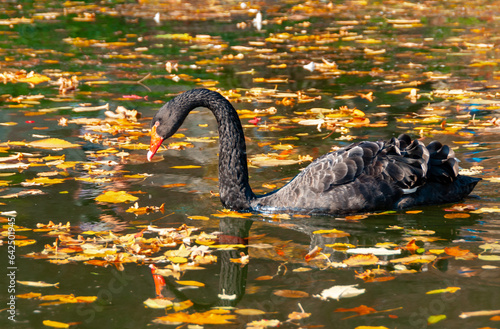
pixel 361 260
pixel 291 293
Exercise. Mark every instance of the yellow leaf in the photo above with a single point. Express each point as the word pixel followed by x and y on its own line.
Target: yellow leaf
pixel 440 291
pixel 190 283
pixel 34 78
pixel 185 167
pixel 116 197
pixel 22 243
pixel 158 303
pixel 29 295
pixel 199 217
pixel 51 143
pixel 400 91
pixel 178 260
pixel 435 318
pixel 282 146
pixel 55 324
pixel 209 317
pixel 39 284
pixel 227 246
pixel 489 257
pixel 183 305
pixel 42 181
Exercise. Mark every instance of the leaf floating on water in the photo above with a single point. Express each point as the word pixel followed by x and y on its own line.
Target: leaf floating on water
pixel 116 197
pixel 465 315
pixel 158 303
pixel 440 291
pixel 261 324
pixel 52 143
pixel 374 251
pixel 435 318
pixel 23 243
pixel 361 260
pixel 264 278
pixel 291 293
pixel 456 251
pixel 334 233
pixel 361 310
pixel 209 317
pixel 456 215
pixel 298 315
pixel 29 295
pixel 39 284
pixel 191 283
pixel 249 311
pixel 490 258
pixel 55 324
pixel 313 253
pixel 414 259
pixel 337 292
pixel 232 214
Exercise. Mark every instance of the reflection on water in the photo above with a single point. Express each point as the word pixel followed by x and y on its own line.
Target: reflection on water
pixel 427 69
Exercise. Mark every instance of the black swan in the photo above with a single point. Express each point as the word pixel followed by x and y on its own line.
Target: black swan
pixel 361 177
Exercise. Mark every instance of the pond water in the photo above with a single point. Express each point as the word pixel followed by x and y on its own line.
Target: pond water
pixel 429 69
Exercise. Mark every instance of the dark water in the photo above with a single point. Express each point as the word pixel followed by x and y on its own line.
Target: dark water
pixel 446 50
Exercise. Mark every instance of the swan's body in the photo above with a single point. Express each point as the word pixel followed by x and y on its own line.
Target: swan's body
pixel 364 176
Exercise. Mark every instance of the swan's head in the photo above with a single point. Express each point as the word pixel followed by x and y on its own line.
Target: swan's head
pixel 156 140
pixel 165 123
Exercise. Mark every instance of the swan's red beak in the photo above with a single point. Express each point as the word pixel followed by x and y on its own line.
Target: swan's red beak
pixel 155 144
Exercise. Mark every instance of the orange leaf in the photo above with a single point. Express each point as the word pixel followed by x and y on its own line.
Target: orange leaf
pixel 264 278
pixel 361 310
pixel 291 293
pixel 359 260
pixel 455 251
pixel 313 253
pixel 411 246
pixel 456 215
pixel 209 317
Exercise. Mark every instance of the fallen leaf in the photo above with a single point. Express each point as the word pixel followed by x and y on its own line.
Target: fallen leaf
pixel 298 315
pixel 440 291
pixel 341 291
pixel 38 284
pixel 208 317
pixel 55 324
pixel 361 310
pixel 158 303
pixel 435 318
pixel 465 315
pixel 115 197
pixel 191 283
pixel 249 311
pixel 291 293
pixel 52 143
pixel 361 260
pixel 456 251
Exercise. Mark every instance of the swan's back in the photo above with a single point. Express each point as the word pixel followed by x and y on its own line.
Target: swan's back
pixel 368 176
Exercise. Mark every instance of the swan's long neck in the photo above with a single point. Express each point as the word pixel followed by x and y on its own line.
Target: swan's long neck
pixel 234 189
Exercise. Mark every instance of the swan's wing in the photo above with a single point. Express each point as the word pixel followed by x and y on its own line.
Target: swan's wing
pixel 407 164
